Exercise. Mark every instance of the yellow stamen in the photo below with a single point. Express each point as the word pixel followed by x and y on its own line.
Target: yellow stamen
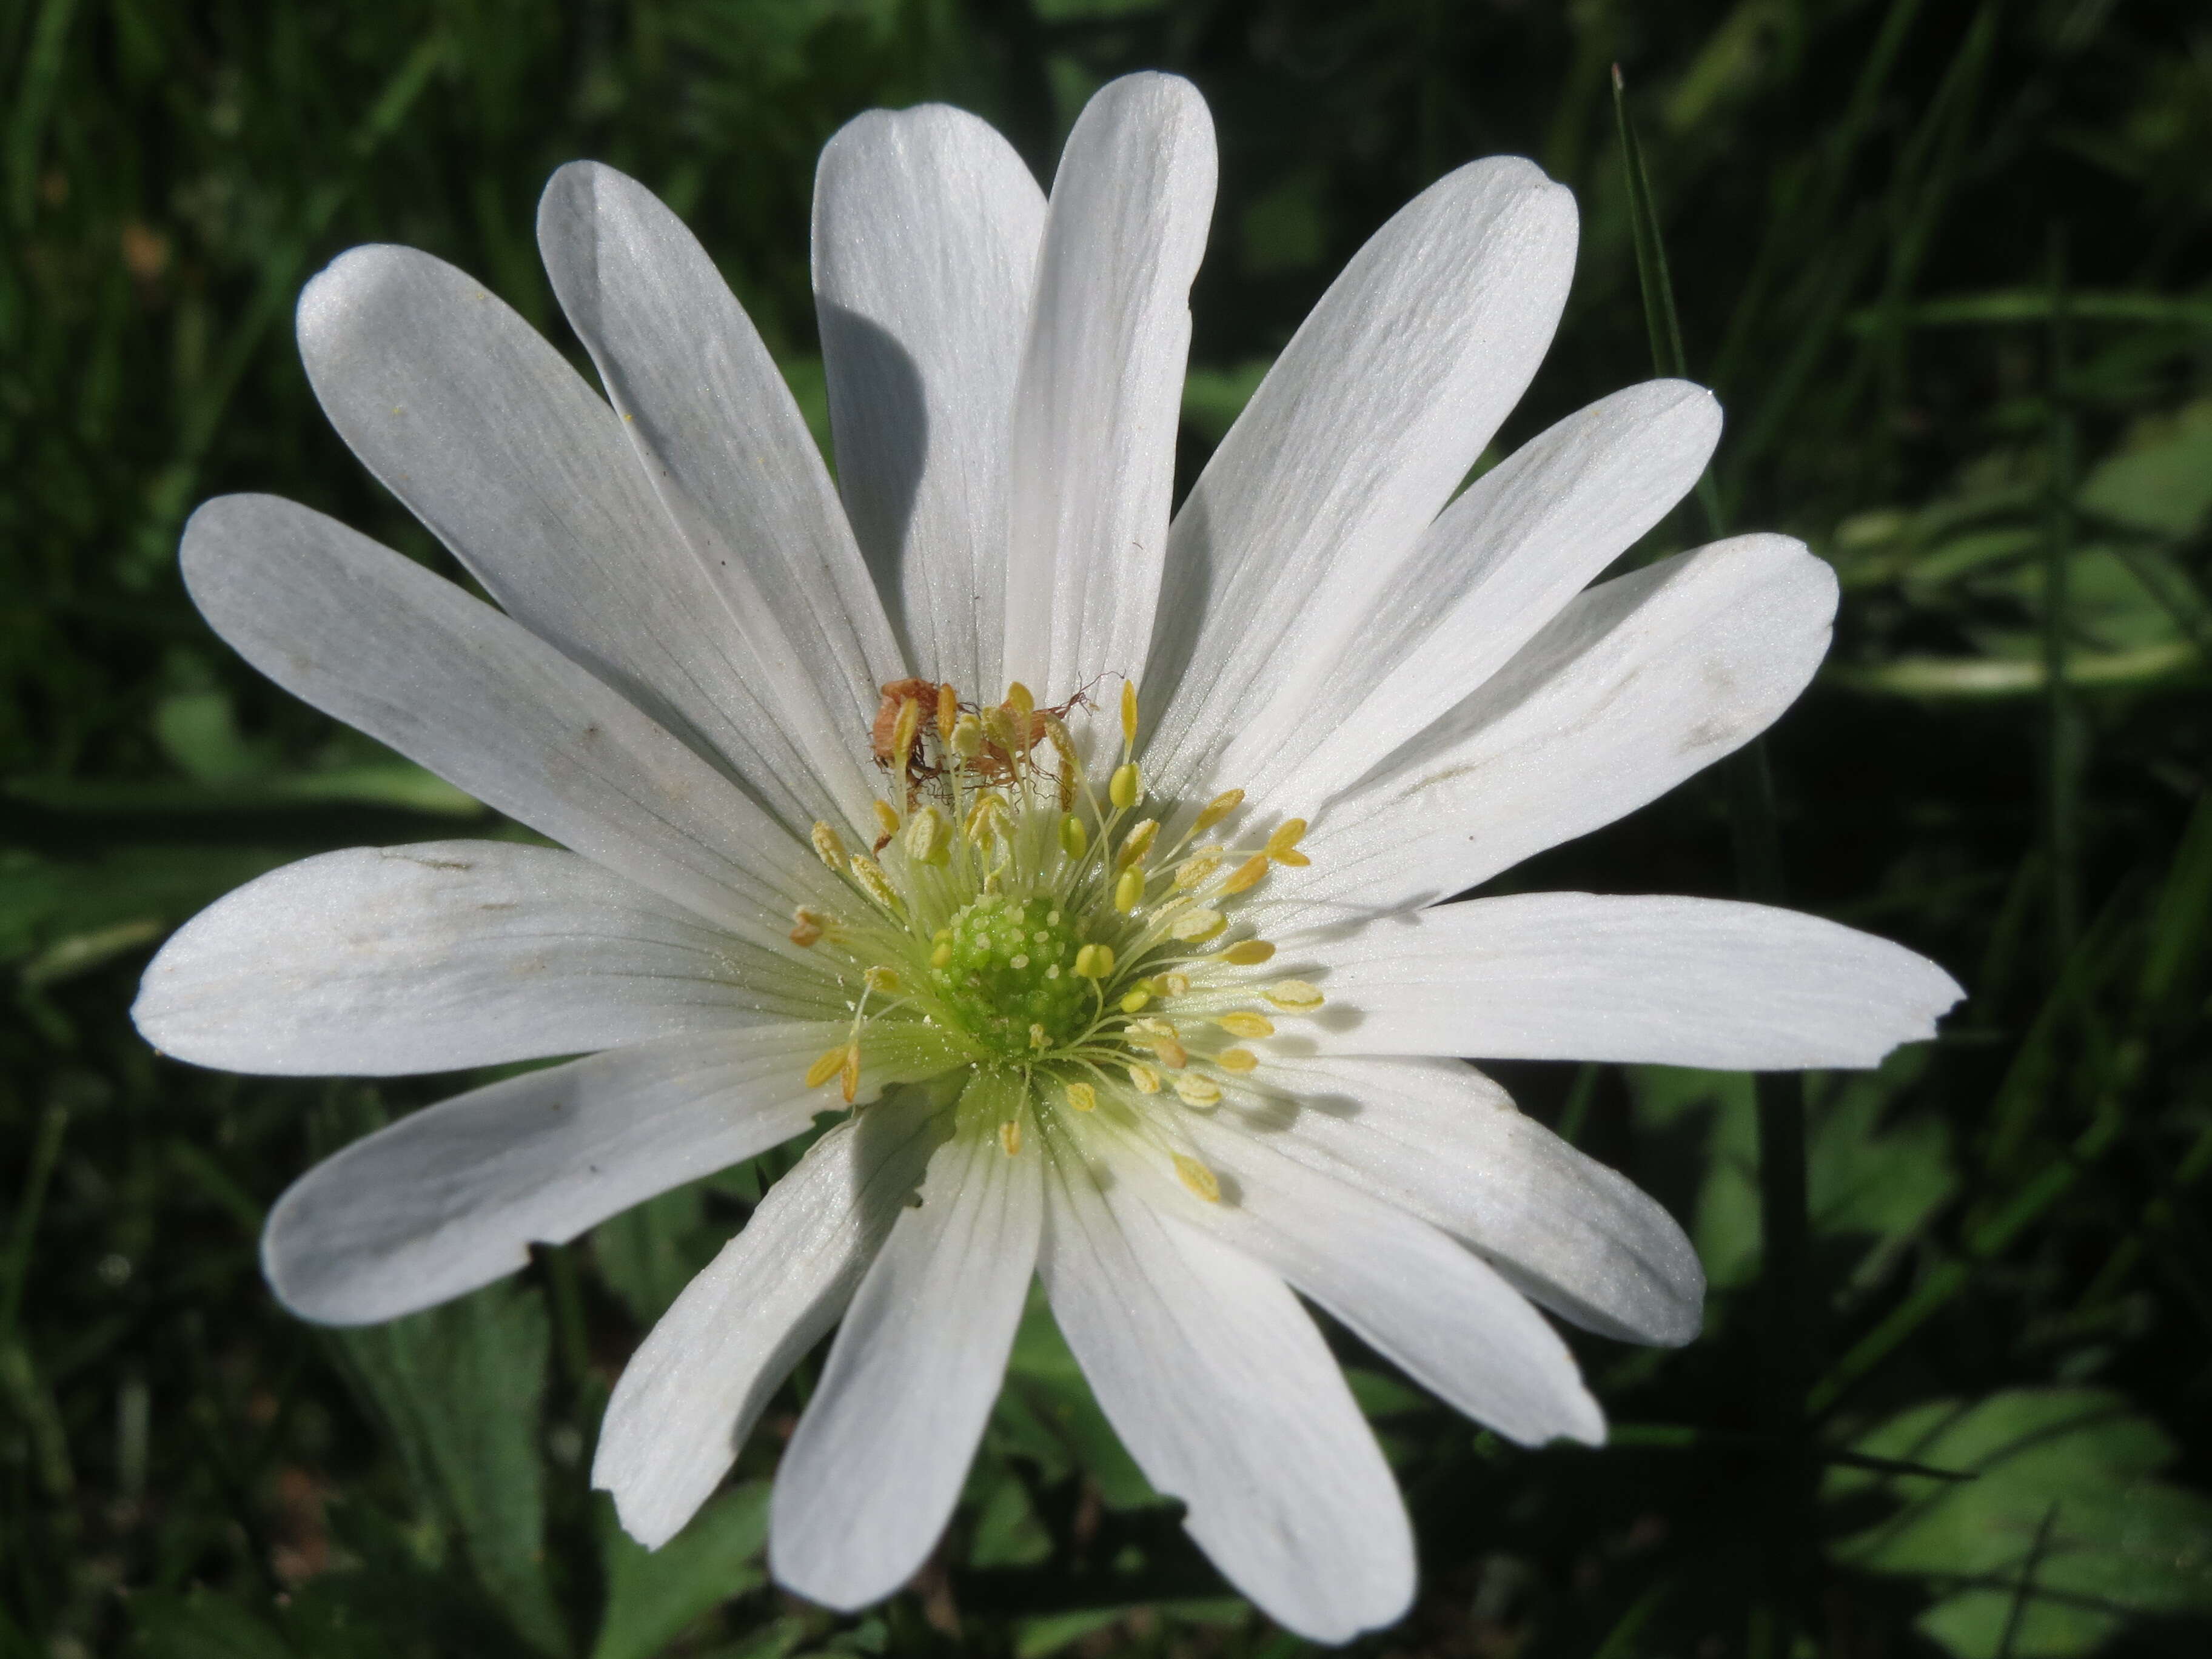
pixel 1200 1179
pixel 886 819
pixel 1244 1024
pixel 879 979
pixel 875 885
pixel 1196 926
pixel 1292 857
pixel 1247 874
pixel 1293 996
pixel 1135 1000
pixel 1248 952
pixel 1194 870
pixel 1217 809
pixel 1236 1060
pixel 1173 985
pixel 1137 843
pixel 1074 839
pixel 948 712
pixel 1171 1054
pixel 807 926
pixel 929 837
pixel 1146 1079
pixel 827 1067
pixel 1094 961
pixel 1129 890
pixel 1196 1090
pixel 848 1075
pixel 941 954
pixel 967 736
pixel 1287 835
pixel 829 846
pixel 904 730
pixel 1128 713
pixel 1127 784
pixel 1083 1097
pixel 1020 699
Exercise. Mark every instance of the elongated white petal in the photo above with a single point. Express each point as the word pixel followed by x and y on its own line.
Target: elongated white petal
pixel 1354 441
pixel 382 960
pixel 1225 1394
pixel 1640 682
pixel 1101 389
pixel 927 227
pixel 1670 981
pixel 1440 1312
pixel 1499 564
pixel 726 447
pixel 871 1477
pixel 467 415
pixel 377 641
pixel 451 1197
pixel 691 1394
pixel 1441 1140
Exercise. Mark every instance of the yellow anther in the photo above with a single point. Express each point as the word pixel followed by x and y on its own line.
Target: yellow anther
pixel 1171 1054
pixel 1038 1039
pixel 904 730
pixel 1244 1024
pixel 827 1067
pixel 929 837
pixel 1196 1177
pixel 807 926
pixel 1128 713
pixel 1010 1136
pixel 829 846
pixel 948 712
pixel 1236 1060
pixel 1071 764
pixel 881 979
pixel 1020 699
pixel 1127 784
pixel 1173 985
pixel 967 736
pixel 1151 1028
pixel 1200 1091
pixel 1135 1000
pixel 1249 952
pixel 1292 857
pixel 941 955
pixel 886 819
pixel 1287 836
pixel 875 885
pixel 1217 809
pixel 1074 839
pixel 1094 961
pixel 1083 1097
pixel 1137 842
pixel 1193 872
pixel 1146 1079
pixel 999 728
pixel 1196 926
pixel 1293 996
pixel 1129 890
pixel 848 1075
pixel 1246 874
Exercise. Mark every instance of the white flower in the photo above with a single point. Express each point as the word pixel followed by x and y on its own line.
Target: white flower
pixel 1177 1058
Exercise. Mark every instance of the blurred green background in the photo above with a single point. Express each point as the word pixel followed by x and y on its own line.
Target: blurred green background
pixel 1949 267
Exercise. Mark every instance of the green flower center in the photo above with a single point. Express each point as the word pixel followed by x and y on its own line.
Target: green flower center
pixel 1005 970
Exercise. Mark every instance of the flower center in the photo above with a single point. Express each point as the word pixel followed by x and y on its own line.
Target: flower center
pixel 1070 951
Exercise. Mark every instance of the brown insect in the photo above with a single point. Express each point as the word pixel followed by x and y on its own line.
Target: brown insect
pixel 1011 736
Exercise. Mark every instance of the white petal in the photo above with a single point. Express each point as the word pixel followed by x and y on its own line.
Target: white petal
pixel 1354 441
pixel 871 1477
pixel 1101 389
pixel 1441 1313
pixel 1441 1140
pixel 1670 981
pixel 1500 563
pixel 927 225
pixel 383 960
pixel 1638 684
pixel 376 641
pixel 451 1197
pixel 491 439
pixel 1227 1397
pixel 690 1393
pixel 729 453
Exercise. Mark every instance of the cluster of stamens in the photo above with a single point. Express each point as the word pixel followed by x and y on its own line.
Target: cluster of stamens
pixel 1070 949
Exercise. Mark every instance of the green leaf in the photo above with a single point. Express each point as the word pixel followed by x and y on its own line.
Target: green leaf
pixel 2065 1521
pixel 201 1626
pixel 461 1388
pixel 2161 479
pixel 1047 1410
pixel 654 1595
pixel 647 1254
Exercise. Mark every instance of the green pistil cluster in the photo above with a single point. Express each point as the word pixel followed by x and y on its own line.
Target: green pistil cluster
pixel 1005 973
